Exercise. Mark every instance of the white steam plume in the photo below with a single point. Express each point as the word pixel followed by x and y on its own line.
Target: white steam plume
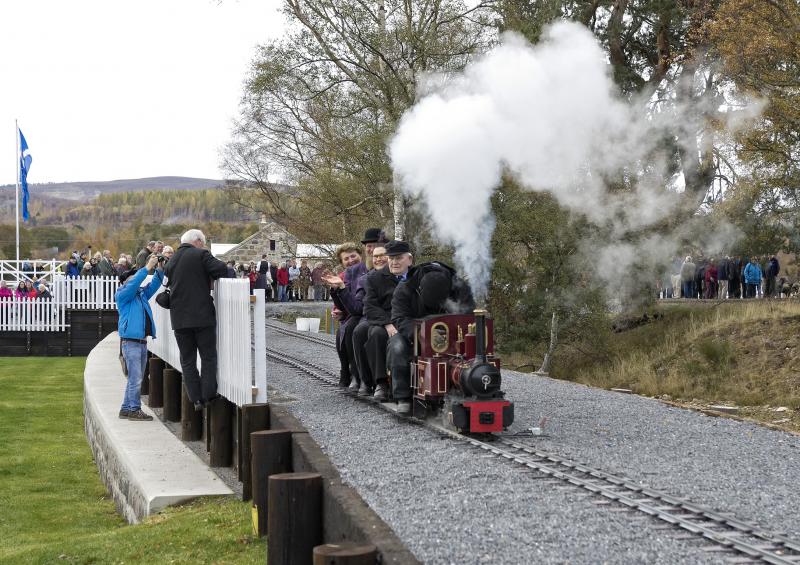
pixel 550 116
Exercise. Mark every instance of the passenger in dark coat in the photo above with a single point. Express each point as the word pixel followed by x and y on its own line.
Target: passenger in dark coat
pixel 372 334
pixel 430 288
pixel 190 274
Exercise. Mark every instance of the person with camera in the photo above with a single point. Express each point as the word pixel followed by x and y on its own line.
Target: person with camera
pixel 135 324
pixel 190 275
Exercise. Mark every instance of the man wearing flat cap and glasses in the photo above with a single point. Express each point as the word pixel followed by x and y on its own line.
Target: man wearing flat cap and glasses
pixel 427 289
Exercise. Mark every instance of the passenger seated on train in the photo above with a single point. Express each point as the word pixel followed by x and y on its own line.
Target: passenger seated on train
pixel 349 298
pixel 349 255
pixel 429 288
pixel 372 335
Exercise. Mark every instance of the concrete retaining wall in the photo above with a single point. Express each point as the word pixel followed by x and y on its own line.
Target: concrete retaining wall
pixel 143 465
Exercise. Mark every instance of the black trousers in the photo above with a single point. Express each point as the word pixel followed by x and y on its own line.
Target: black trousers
pixel 360 336
pixel 375 349
pixel 200 387
pixel 399 359
pixel 344 347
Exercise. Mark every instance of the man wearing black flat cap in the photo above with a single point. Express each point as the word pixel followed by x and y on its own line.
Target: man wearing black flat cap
pixel 373 337
pixel 428 289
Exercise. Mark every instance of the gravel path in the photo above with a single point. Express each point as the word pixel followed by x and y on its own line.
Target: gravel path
pixel 738 467
pixel 451 504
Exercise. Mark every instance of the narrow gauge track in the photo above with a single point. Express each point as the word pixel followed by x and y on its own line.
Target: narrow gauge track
pixel 753 543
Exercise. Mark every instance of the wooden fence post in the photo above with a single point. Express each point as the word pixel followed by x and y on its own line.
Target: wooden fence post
pixel 191 419
pixel 294 524
pixel 156 397
pixel 172 395
pixel 255 417
pixel 271 455
pixel 345 553
pixel 221 436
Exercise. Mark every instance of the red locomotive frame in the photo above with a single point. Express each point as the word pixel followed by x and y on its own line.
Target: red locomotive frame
pixel 449 360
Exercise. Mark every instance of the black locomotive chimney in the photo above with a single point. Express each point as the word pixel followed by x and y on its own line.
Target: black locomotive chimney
pixel 480 335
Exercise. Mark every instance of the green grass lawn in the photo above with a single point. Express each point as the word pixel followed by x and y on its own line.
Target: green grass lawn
pixel 53 507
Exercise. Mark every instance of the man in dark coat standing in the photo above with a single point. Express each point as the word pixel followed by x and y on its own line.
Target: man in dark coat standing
pixel 429 288
pixel 190 273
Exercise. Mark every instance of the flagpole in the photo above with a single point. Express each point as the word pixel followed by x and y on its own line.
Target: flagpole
pixel 16 201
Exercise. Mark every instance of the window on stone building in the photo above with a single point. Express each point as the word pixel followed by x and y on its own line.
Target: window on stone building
pixel 272 245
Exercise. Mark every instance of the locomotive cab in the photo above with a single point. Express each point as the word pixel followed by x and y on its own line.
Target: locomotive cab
pixel 455 371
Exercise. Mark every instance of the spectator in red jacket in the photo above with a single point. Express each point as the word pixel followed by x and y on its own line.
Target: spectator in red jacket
pixel 5 292
pixel 711 279
pixel 283 282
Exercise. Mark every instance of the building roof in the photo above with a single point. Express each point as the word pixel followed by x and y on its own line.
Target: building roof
pixel 221 248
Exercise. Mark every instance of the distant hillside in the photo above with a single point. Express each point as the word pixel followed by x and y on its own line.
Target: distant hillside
pixel 90 189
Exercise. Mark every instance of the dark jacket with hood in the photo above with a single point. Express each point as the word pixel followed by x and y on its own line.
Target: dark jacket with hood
pixel 773 268
pixel 407 304
pixel 189 275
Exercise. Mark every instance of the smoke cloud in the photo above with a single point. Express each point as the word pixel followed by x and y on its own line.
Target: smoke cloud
pixel 550 116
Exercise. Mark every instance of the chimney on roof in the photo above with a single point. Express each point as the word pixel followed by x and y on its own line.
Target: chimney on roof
pixel 263 218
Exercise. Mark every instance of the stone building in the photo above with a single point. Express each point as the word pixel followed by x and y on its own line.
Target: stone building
pixel 270 240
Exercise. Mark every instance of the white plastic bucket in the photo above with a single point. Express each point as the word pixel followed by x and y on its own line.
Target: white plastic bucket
pixel 302 324
pixel 313 325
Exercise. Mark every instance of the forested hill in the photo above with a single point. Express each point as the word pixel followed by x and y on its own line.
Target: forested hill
pixel 161 207
pixel 122 221
pixel 90 189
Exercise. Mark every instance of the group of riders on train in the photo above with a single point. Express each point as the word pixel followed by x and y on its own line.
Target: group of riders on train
pixel 377 299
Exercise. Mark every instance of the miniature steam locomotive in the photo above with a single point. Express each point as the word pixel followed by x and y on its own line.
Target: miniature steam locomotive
pixel 455 373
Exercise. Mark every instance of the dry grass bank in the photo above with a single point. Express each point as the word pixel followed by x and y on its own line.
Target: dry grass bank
pixel 731 353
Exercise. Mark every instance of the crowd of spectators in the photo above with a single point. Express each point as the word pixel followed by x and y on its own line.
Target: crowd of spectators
pixel 729 277
pixel 284 281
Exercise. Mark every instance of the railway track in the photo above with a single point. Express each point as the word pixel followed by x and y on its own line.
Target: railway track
pixel 746 542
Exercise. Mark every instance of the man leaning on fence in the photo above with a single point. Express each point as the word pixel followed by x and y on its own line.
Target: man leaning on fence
pixel 135 324
pixel 190 275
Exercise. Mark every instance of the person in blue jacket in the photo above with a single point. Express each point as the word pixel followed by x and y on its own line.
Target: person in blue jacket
pixel 752 277
pixel 135 324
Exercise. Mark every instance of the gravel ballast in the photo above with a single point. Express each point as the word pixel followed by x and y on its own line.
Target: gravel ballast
pixel 454 504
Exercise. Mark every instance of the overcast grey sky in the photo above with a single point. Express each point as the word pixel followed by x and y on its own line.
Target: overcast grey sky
pixel 124 89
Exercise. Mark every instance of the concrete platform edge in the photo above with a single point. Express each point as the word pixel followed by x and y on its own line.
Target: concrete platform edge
pixel 129 468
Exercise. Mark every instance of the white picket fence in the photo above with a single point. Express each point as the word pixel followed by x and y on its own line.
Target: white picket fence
pixel 26 314
pixel 90 293
pixel 49 314
pixel 241 341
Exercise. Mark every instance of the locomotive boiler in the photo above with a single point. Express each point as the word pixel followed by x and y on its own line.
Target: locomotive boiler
pixel 455 372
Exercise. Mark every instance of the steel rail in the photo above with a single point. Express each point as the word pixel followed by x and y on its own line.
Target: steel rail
pixel 725 531
pixel 301 335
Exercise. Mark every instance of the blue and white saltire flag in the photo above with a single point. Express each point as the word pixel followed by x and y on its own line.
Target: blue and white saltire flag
pixel 25 160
